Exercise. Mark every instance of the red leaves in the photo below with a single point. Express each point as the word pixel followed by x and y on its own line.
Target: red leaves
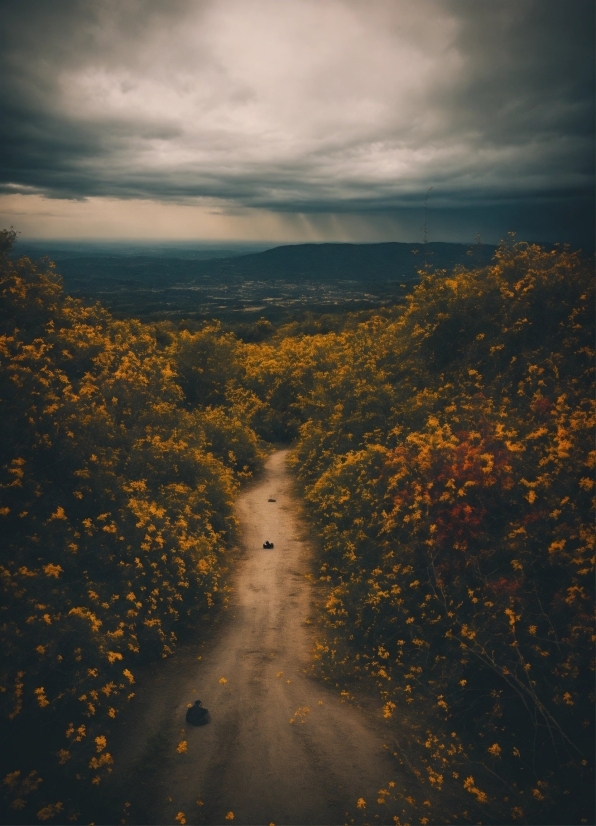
pixel 542 406
pixel 459 524
pixel 446 475
pixel 504 587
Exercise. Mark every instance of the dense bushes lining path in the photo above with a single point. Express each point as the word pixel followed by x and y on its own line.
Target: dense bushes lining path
pixel 445 450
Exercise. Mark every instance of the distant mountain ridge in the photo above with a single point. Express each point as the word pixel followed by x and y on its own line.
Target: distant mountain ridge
pixel 391 260
pixel 381 262
pixel 274 283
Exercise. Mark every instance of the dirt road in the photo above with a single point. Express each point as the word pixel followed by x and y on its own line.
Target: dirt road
pixel 281 748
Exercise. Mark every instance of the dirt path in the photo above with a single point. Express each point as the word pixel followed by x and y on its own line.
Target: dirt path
pixel 281 748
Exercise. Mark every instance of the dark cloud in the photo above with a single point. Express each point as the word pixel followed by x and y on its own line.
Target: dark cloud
pixel 304 106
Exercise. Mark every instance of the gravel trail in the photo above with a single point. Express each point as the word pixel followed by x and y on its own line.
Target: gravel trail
pixel 281 748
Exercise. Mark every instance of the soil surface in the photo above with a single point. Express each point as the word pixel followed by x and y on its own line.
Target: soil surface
pixel 281 747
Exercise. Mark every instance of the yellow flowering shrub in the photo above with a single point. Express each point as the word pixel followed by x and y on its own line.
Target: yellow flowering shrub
pixel 447 457
pixel 116 499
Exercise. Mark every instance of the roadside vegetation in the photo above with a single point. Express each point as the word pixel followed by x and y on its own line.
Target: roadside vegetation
pixel 444 449
pixel 120 460
pixel 447 459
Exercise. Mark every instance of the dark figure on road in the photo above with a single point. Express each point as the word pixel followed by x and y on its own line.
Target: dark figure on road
pixel 267 544
pixel 196 715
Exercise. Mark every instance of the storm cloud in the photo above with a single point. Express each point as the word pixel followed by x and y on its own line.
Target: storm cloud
pixel 303 107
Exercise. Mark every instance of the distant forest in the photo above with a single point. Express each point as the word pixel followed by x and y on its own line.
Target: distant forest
pixel 443 443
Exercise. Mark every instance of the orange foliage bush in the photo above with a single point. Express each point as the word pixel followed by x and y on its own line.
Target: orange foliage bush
pixel 445 451
pixel 115 512
pixel 447 458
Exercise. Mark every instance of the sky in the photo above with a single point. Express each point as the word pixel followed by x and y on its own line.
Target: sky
pixel 301 120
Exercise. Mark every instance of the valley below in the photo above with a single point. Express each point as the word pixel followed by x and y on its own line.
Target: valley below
pixel 278 284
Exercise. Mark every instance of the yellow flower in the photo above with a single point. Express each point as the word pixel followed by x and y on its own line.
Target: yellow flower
pixel 222 681
pixel 58 514
pixel 182 747
pixel 470 787
pixel 495 750
pixel 557 546
pixel 180 818
pixel 361 803
pixel 49 811
pixel 230 816
pixel 106 759
pixel 41 697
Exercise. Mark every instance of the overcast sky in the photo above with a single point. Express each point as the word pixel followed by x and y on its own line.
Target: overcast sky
pixel 297 119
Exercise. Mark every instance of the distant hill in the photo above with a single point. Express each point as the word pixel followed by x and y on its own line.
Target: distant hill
pixel 297 262
pixel 358 262
pixel 274 283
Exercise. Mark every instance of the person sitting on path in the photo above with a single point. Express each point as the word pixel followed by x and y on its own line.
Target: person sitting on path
pixel 197 715
pixel 267 544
